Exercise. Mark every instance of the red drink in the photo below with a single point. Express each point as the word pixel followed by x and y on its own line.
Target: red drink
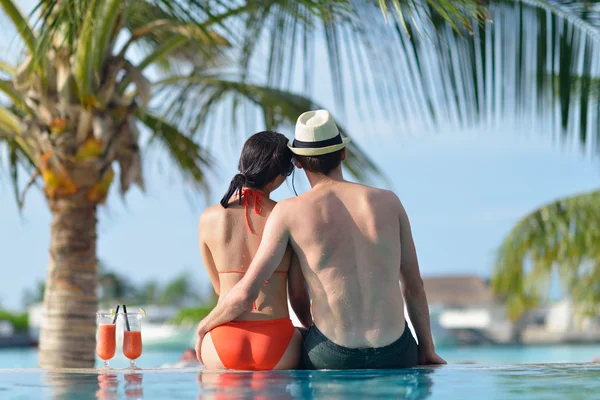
pixel 132 344
pixel 107 341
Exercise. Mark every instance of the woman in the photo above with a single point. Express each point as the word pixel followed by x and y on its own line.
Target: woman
pixel 262 338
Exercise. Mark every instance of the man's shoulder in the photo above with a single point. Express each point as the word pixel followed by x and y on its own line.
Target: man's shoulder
pixel 289 209
pixel 283 206
pixel 381 195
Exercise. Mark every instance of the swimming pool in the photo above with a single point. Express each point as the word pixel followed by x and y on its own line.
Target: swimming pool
pixel 496 375
pixel 545 381
pixel 489 355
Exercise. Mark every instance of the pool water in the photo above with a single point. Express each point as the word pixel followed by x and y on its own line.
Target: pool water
pixel 496 355
pixel 538 381
pixel 494 372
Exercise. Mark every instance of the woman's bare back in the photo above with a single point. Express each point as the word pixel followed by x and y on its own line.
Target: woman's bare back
pixel 229 239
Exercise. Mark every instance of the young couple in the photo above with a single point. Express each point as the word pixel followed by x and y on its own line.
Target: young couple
pixel 349 243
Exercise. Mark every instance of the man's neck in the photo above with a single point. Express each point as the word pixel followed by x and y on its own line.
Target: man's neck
pixel 320 179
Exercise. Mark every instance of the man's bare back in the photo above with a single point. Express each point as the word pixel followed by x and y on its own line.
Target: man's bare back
pixel 347 238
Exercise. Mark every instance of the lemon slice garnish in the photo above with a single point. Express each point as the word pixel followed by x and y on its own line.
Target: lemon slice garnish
pixel 143 312
pixel 112 312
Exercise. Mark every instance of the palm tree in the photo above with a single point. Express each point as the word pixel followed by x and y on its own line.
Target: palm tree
pixel 95 72
pixel 562 236
pixel 536 62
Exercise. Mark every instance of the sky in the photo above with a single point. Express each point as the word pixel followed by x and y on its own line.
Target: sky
pixel 463 190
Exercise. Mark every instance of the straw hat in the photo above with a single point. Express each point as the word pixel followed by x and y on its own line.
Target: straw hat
pixel 316 134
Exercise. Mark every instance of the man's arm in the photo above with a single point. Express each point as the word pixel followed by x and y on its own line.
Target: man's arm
pixel 239 299
pixel 414 293
pixel 298 292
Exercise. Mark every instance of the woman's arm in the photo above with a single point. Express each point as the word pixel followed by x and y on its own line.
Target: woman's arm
pixel 207 258
pixel 298 292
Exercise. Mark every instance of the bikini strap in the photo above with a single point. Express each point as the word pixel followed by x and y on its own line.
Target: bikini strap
pixel 258 204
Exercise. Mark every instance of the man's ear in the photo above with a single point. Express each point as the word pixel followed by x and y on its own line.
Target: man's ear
pixel 297 163
pixel 344 154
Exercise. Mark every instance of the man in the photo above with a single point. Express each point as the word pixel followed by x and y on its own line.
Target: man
pixel 354 243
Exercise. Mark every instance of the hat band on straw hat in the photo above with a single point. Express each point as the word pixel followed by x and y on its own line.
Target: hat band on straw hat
pixel 315 145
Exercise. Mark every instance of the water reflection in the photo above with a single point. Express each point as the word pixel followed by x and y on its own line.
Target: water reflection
pixel 245 385
pixel 565 381
pixel 410 384
pixel 413 384
pixel 66 386
pixel 133 386
pixel 108 384
pixel 105 385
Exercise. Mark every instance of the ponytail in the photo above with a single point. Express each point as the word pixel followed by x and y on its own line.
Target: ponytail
pixel 236 185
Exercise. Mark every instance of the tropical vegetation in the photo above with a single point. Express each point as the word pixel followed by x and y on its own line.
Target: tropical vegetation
pixel 554 88
pixel 533 67
pixel 561 238
pixel 117 288
pixel 19 321
pixel 95 76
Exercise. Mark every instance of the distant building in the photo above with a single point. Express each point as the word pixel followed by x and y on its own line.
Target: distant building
pixel 457 291
pixel 559 322
pixel 465 311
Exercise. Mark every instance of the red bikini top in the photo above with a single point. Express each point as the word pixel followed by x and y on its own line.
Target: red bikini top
pixel 258 204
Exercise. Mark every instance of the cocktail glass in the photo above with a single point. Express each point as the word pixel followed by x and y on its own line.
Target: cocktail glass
pixel 106 343
pixel 132 337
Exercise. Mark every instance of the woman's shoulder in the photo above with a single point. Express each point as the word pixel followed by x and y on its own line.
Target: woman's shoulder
pixel 211 214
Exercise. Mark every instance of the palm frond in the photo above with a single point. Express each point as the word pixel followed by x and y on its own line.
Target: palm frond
pixel 151 26
pixel 105 31
pixel 7 87
pixel 192 160
pixel 9 122
pixel 562 236
pixel 200 94
pixel 520 67
pixel 163 50
pixel 85 52
pixel 17 161
pixel 7 68
pixel 20 23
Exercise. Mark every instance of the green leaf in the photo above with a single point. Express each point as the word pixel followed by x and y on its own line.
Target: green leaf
pixel 279 107
pixel 84 54
pixel 18 159
pixel 9 69
pixel 20 23
pixel 162 51
pixel 562 236
pixel 192 160
pixel 7 88
pixel 104 31
pixel 9 122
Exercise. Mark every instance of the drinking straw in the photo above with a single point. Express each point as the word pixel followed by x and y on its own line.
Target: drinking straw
pixel 126 319
pixel 116 314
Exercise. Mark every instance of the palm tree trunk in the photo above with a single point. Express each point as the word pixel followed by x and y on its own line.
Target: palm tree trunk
pixel 68 332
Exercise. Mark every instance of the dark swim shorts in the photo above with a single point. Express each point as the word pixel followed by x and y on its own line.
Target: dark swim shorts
pixel 318 352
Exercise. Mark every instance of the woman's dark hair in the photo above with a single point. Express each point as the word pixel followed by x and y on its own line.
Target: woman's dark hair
pixel 264 157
